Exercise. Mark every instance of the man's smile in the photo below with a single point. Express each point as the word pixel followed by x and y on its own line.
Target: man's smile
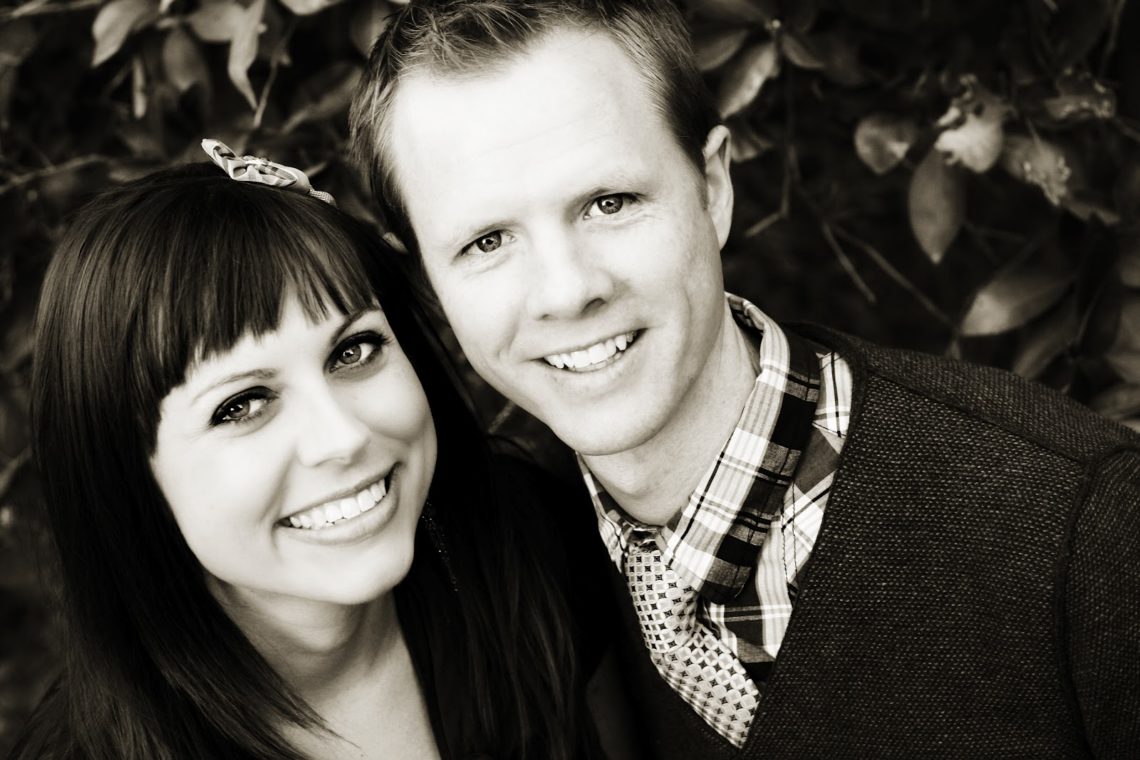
pixel 593 357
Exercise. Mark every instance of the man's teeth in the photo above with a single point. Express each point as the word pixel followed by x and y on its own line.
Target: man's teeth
pixel 324 515
pixel 595 354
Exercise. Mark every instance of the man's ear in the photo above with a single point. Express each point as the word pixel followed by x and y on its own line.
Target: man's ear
pixel 718 182
pixel 398 245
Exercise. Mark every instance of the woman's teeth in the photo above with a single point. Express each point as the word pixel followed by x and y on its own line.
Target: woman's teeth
pixel 594 355
pixel 324 515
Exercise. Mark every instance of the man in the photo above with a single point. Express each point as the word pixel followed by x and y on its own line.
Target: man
pixel 973 588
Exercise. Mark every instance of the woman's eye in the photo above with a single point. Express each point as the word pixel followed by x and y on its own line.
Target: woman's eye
pixel 357 352
pixel 485 243
pixel 610 204
pixel 240 409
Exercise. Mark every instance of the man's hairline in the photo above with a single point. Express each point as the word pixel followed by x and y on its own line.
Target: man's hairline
pixel 386 157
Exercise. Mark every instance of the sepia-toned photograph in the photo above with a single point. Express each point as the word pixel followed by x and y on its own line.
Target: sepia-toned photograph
pixel 559 379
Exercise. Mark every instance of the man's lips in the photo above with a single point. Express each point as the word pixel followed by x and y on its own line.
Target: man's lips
pixel 593 356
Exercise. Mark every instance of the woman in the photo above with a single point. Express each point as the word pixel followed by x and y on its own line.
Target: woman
pixel 237 418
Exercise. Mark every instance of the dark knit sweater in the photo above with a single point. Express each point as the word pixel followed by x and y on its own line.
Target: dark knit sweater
pixel 974 591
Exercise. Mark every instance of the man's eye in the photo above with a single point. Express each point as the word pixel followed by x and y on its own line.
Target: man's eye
pixel 610 204
pixel 486 243
pixel 240 409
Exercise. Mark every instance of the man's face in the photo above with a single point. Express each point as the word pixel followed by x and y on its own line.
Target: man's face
pixel 573 245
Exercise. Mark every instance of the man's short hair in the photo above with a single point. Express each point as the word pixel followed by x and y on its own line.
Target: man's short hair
pixel 471 37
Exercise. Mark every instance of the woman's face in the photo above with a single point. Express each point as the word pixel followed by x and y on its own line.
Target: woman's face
pixel 297 463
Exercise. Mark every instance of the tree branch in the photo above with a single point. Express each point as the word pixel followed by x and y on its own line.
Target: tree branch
pixel 274 64
pixel 45 7
pixel 76 163
pixel 898 277
pixel 845 262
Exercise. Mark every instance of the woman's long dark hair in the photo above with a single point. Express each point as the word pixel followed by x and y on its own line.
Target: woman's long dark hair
pixel 148 277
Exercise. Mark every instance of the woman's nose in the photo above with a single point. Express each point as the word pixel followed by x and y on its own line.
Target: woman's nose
pixel 330 430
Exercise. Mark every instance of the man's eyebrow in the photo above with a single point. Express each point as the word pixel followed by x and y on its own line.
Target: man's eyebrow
pixel 620 182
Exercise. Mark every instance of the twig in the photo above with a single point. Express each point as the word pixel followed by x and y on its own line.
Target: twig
pixel 898 277
pixel 1113 35
pixel 765 223
pixel 43 8
pixel 981 242
pixel 274 64
pixel 845 262
pixel 785 196
pixel 1129 132
pixel 8 471
pixel 75 163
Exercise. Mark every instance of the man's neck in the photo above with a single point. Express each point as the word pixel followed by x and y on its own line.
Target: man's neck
pixel 653 481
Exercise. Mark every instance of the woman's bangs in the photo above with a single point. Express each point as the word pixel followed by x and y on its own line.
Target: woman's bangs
pixel 223 281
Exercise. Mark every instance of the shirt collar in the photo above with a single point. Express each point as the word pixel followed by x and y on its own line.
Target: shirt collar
pixel 691 540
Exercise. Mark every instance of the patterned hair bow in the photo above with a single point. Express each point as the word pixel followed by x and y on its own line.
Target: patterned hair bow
pixel 260 170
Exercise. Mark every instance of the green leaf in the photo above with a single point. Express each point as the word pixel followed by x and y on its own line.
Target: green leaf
pixel 243 50
pixel 17 41
pixel 1126 191
pixel 840 53
pixel 308 7
pixel 746 75
pixel 936 204
pixel 1124 355
pixel 138 87
pixel 882 140
pixel 115 22
pixel 216 20
pixel 747 143
pixel 801 51
pixel 754 11
pixel 1015 296
pixel 973 135
pixel 1128 265
pixel 368 22
pixel 1048 340
pixel 182 59
pixel 7 88
pixel 715 47
pixel 1118 402
pixel 331 91
pixel 1038 162
pixel 1080 97
pixel 801 15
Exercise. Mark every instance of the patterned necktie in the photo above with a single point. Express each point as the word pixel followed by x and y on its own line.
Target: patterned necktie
pixel 692 660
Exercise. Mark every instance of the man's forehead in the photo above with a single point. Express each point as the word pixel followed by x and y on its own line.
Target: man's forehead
pixel 574 104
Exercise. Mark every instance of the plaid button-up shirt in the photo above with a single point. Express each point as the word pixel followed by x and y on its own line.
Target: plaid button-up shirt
pixel 748 606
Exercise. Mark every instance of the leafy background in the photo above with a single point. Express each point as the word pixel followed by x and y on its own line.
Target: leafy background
pixel 957 176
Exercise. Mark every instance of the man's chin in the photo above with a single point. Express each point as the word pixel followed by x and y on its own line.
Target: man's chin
pixel 603 435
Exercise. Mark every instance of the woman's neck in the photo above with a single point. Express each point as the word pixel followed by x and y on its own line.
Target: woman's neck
pixel 315 645
pixel 350 664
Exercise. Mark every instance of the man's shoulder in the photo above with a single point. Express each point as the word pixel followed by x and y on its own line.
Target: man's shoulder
pixel 935 390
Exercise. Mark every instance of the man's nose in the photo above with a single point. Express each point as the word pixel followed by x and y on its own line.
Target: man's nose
pixel 329 429
pixel 567 276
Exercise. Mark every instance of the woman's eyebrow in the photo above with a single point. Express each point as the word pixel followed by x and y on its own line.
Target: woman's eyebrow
pixel 253 374
pixel 349 320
